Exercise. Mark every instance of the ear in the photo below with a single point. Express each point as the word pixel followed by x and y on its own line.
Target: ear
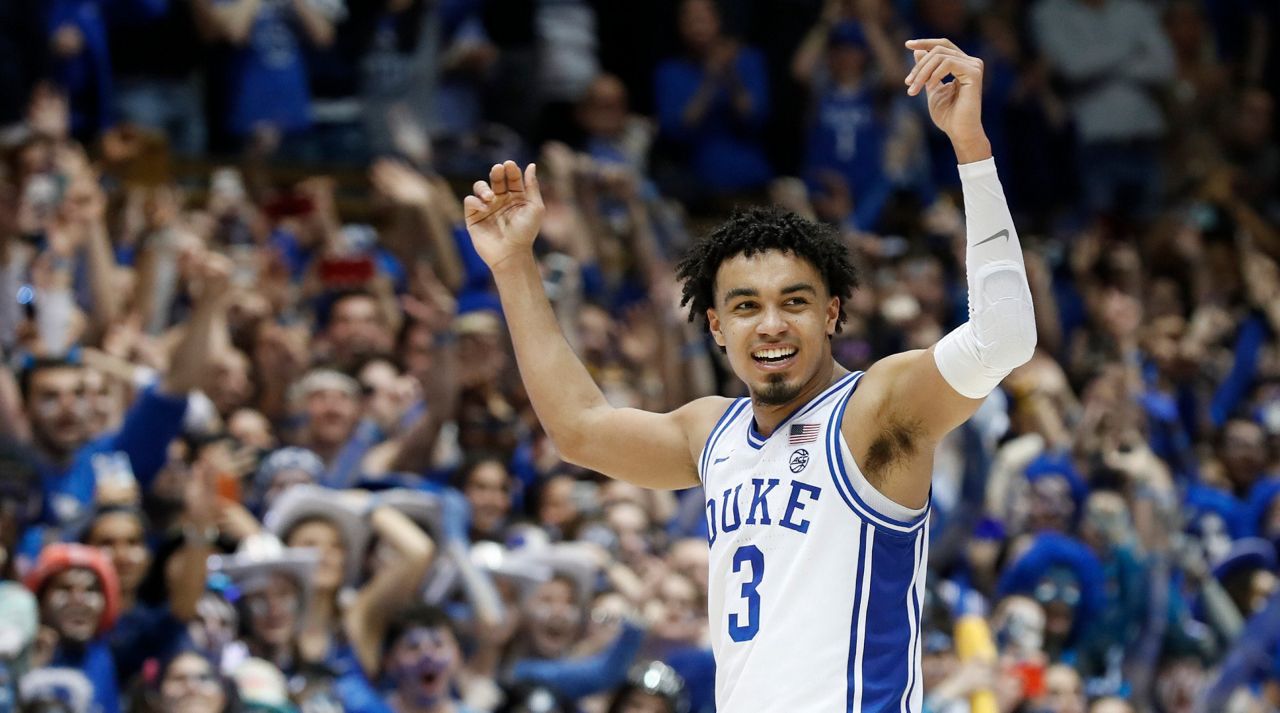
pixel 713 322
pixel 833 316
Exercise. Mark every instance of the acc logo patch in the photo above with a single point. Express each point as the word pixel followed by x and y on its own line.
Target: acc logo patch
pixel 799 460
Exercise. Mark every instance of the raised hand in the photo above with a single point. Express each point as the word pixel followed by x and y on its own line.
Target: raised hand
pixel 955 107
pixel 504 215
pixel 400 183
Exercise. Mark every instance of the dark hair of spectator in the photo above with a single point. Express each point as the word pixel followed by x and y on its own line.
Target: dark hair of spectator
pixel 419 616
pixel 756 230
pixel 327 303
pixel 39 364
pixel 473 462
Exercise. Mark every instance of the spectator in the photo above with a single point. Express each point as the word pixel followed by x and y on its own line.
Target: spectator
pixel 189 682
pixel 268 101
pixel 852 122
pixel 712 102
pixel 79 600
pixel 162 96
pixel 1113 56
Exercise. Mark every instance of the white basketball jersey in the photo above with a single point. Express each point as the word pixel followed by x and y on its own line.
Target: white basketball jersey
pixel 817 579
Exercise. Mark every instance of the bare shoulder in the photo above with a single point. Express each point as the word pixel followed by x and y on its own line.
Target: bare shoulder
pixel 698 417
pixel 877 385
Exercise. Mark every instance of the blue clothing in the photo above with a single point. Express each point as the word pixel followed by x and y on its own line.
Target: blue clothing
pixel 352 687
pixel 576 678
pixel 86 77
pixel 1051 550
pixel 725 151
pixel 154 420
pixel 357 696
pixel 145 632
pixel 267 76
pixel 847 138
pixel 697 666
pixel 1231 392
pixel 95 662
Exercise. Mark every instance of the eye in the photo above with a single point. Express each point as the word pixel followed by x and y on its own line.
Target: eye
pixel 743 306
pixel 797 301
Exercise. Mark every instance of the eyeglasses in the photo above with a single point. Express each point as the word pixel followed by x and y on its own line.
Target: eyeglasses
pixel 1047 592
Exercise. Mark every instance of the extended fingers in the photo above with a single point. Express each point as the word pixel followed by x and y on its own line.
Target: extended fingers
pixel 928 44
pixel 498 179
pixel 511 174
pixel 936 64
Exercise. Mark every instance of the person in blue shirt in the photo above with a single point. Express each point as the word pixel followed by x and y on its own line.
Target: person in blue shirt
pixel 852 114
pixel 266 72
pixel 75 463
pixel 81 62
pixel 79 599
pixel 713 103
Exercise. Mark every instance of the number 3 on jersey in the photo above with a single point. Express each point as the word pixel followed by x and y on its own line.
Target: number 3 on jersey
pixel 748 554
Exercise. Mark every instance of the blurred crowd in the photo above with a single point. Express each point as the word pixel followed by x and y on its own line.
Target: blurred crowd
pixel 262 442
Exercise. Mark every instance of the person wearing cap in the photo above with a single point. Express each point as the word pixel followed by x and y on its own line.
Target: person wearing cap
pixel 79 597
pixel 339 527
pixel 271 588
pixel 853 100
pixel 72 459
pixel 282 470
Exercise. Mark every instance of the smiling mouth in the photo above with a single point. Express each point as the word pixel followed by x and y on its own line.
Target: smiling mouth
pixel 773 356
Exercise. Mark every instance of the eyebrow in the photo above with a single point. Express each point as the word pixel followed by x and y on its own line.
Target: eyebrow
pixel 752 292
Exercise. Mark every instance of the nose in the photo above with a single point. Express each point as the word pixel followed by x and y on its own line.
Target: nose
pixel 772 322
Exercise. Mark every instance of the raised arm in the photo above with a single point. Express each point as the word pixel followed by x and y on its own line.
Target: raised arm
pixel 917 397
pixel 648 449
pixel 233 20
pixel 391 588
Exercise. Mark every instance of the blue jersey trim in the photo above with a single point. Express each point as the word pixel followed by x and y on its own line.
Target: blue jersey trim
pixel 854 639
pixel 844 484
pixel 726 418
pixel 916 625
pixel 757 441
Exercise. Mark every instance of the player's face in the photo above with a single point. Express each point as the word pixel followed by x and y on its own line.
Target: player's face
pixel 774 318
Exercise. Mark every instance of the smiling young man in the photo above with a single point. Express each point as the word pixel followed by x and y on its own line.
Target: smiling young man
pixel 817 486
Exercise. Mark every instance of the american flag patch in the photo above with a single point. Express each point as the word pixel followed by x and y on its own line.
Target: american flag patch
pixel 803 433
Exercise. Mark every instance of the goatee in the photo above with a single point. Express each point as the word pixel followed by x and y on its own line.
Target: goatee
pixel 776 392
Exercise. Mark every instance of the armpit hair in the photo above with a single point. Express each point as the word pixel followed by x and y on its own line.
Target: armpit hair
pixel 898 442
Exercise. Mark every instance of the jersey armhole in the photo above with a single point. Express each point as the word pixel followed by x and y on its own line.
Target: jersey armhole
pixel 730 413
pixel 864 500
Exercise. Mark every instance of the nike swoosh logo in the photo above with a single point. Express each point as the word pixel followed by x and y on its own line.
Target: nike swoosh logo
pixel 721 460
pixel 1002 234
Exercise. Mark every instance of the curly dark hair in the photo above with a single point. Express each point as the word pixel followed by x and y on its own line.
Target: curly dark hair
pixel 755 230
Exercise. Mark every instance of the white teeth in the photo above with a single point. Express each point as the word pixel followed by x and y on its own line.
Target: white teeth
pixel 773 353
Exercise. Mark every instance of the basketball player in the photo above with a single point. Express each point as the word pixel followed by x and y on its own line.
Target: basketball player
pixel 817 486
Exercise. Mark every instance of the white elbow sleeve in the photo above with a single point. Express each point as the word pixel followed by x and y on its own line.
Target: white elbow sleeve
pixel 1001 332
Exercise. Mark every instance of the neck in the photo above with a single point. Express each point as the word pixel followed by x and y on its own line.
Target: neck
pixel 327 451
pixel 769 416
pixel 401 704
pixel 53 454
